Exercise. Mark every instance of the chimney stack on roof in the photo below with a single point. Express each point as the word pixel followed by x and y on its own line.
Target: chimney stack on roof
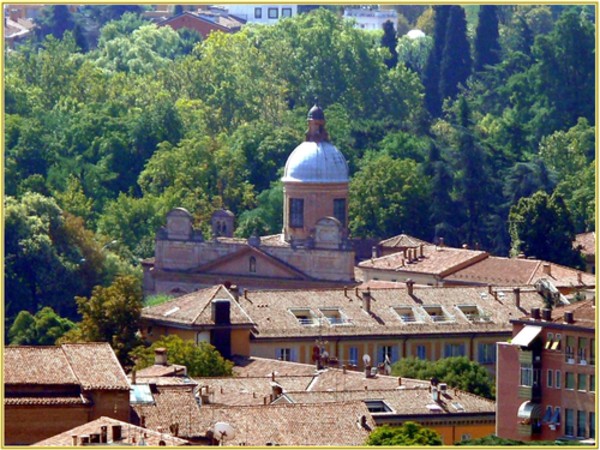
pixel 547 314
pixel 374 253
pixel 74 440
pixel 547 268
pixel 579 278
pixel 517 292
pixel 235 292
pixel 569 317
pixel 410 284
pixel 160 356
pixel 535 313
pixel 421 251
pixel 366 300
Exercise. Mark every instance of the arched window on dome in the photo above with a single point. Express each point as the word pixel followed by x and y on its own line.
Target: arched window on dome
pixel 252 264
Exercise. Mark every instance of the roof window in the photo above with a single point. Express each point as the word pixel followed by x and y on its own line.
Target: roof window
pixel 438 314
pixel 408 314
pixel 305 316
pixel 473 313
pixel 335 316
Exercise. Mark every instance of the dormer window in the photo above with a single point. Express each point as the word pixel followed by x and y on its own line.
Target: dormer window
pixel 473 313
pixel 438 314
pixel 305 316
pixel 407 314
pixel 378 406
pixel 335 316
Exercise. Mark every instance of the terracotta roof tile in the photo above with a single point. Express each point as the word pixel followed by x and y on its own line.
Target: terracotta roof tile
pixel 584 313
pixel 257 367
pixel 514 271
pixel 158 370
pixel 90 365
pixel 402 241
pixel 63 400
pixel 436 261
pixel 587 243
pixel 131 435
pixel 96 366
pixel 195 308
pixel 37 365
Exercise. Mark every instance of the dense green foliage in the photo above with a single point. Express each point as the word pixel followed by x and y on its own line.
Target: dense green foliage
pixel 408 434
pixel 43 328
pixel 201 360
pixel 111 121
pixel 495 441
pixel 456 371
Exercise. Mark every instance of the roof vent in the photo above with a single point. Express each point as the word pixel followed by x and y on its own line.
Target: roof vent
pixel 569 317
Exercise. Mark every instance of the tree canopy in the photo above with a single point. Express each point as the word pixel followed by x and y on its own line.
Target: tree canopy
pixel 408 434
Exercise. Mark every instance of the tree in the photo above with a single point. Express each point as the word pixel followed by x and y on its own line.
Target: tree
pixel 386 197
pixel 43 328
pixel 455 66
pixel 457 371
pixel 202 360
pixel 431 75
pixel 487 47
pixel 540 226
pixel 54 20
pixel 389 41
pixel 111 315
pixel 408 434
pixel 414 52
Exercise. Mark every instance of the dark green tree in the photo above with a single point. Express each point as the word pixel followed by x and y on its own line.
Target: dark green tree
pixel 540 226
pixel 43 328
pixel 487 47
pixel 111 315
pixel 389 41
pixel 431 75
pixel 201 360
pixel 457 371
pixel 455 66
pixel 408 434
pixel 54 20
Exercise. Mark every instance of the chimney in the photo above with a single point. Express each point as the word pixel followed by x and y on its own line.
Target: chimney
pixel 74 440
pixel 404 253
pixel 366 300
pixel 441 242
pixel 345 291
pixel 356 291
pixel 421 251
pixel 235 292
pixel 245 294
pixel 272 376
pixel 569 317
pixel 410 284
pixel 535 313
pixel 143 421
pixel 547 268
pixel 517 292
pixel 220 335
pixel 103 434
pixel 116 433
pixel 374 253
pixel 399 381
pixel 221 311
pixel 579 278
pixel 265 400
pixel 547 314
pixel 490 289
pixel 134 373
pixel 160 356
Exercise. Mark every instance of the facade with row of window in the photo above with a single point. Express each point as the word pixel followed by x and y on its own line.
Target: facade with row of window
pixel 554 394
pixel 263 14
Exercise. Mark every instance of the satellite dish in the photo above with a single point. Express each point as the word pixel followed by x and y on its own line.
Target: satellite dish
pixel 224 431
pixel 366 359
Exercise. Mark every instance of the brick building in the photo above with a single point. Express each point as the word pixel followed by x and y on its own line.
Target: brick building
pixel 48 390
pixel 313 250
pixel 546 376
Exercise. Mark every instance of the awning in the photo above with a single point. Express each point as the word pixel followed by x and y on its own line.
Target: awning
pixel 529 410
pixel 526 335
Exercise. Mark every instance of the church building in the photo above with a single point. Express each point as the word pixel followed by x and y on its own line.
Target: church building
pixel 313 250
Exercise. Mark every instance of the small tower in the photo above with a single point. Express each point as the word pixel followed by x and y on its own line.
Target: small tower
pixel 222 222
pixel 315 184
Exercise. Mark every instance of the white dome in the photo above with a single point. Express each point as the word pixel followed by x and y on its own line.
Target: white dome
pixel 415 34
pixel 316 162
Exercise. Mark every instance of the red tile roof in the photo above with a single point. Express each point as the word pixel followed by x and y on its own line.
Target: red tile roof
pixel 90 365
pixel 586 242
pixel 515 271
pixel 402 241
pixel 131 435
pixel 436 260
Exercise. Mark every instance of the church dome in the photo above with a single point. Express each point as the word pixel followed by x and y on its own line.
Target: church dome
pixel 316 162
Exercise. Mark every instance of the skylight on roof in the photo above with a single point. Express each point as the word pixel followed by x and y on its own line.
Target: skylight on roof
pixel 438 314
pixel 473 313
pixel 140 394
pixel 335 316
pixel 305 316
pixel 407 314
pixel 171 311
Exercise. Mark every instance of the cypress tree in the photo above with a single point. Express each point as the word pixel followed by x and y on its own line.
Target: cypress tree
pixel 487 48
pixel 431 75
pixel 456 57
pixel 390 40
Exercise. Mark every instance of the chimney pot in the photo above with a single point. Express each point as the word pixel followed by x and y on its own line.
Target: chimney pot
pixel 374 253
pixel 160 356
pixel 517 292
pixel 535 313
pixel 547 314
pixel 246 294
pixel 272 376
pixel 133 376
pixel 74 440
pixel 441 242
pixel 366 300
pixel 547 268
pixel 399 381
pixel 410 284
pixel 490 289
pixel 569 317
pixel 344 369
pixel 579 278
pixel 421 250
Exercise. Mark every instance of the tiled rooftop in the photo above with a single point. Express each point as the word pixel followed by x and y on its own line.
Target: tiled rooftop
pixel 91 365
pixel 584 313
pixel 402 241
pixel 131 435
pixel 587 243
pixel 46 401
pixel 271 311
pixel 435 261
pixel 264 367
pixel 195 308
pixel 514 271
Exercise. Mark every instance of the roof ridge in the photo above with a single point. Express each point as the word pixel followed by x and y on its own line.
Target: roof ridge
pixel 215 289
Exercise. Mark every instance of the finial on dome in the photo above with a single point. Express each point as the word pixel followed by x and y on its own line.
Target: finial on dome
pixel 316 124
pixel 316 113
